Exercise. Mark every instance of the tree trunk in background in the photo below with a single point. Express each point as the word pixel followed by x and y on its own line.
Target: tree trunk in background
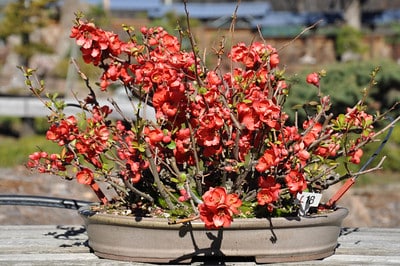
pixel 352 13
pixel 106 5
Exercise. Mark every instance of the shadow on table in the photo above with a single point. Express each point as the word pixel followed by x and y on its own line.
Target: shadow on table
pixel 71 233
pixel 347 230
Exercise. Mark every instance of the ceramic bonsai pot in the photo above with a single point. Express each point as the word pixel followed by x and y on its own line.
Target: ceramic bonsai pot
pixel 143 239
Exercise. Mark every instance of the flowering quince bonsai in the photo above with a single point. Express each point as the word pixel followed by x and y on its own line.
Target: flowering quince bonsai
pixel 220 145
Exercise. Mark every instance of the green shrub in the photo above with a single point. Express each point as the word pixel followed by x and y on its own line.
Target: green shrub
pixel 61 69
pixel 391 151
pixel 15 151
pixel 349 39
pixel 344 83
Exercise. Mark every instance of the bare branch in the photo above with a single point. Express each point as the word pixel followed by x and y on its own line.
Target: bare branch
pixel 299 35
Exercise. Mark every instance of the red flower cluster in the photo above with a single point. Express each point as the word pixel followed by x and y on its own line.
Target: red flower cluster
pixel 218 207
pixel 90 142
pixel 96 44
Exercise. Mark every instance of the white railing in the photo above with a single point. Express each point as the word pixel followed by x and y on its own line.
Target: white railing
pixel 31 107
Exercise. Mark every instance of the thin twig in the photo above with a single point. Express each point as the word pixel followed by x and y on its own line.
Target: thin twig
pixel 87 82
pixel 182 221
pixel 329 183
pixel 136 191
pixel 299 35
pixel 157 180
pixel 192 43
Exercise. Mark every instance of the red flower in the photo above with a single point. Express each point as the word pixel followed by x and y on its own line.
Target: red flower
pixel 63 132
pixel 327 149
pixel 182 142
pixel 313 79
pixel 133 171
pixel 355 117
pixel 214 197
pixel 295 181
pixel 291 134
pixel 355 157
pixel 213 79
pixel 94 42
pixel 251 59
pixel 220 218
pixel 268 112
pixel 270 158
pixel 184 195
pixel 171 43
pixel 218 207
pixel 238 52
pixel 247 116
pixel 274 60
pixel 269 192
pixel 268 195
pixel 85 176
pixel 233 202
pixel 153 136
pixel 313 133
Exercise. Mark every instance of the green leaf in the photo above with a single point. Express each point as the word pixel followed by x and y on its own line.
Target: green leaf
pixel 183 177
pixel 202 90
pixel 139 147
pixel 162 203
pixel 60 105
pixel 297 106
pixel 247 101
pixel 173 179
pixel 171 145
pixel 341 121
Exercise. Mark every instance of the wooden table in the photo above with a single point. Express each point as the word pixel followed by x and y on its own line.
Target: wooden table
pixel 67 245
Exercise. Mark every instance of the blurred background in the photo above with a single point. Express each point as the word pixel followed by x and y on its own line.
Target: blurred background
pixel 349 40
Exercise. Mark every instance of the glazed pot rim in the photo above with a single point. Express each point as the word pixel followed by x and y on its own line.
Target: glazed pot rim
pixel 329 217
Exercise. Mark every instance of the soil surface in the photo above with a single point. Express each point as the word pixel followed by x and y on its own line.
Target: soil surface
pixel 370 206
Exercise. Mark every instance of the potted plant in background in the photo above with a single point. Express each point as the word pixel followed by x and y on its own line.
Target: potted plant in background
pixel 220 169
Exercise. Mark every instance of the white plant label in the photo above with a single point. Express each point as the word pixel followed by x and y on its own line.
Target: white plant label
pixel 308 200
